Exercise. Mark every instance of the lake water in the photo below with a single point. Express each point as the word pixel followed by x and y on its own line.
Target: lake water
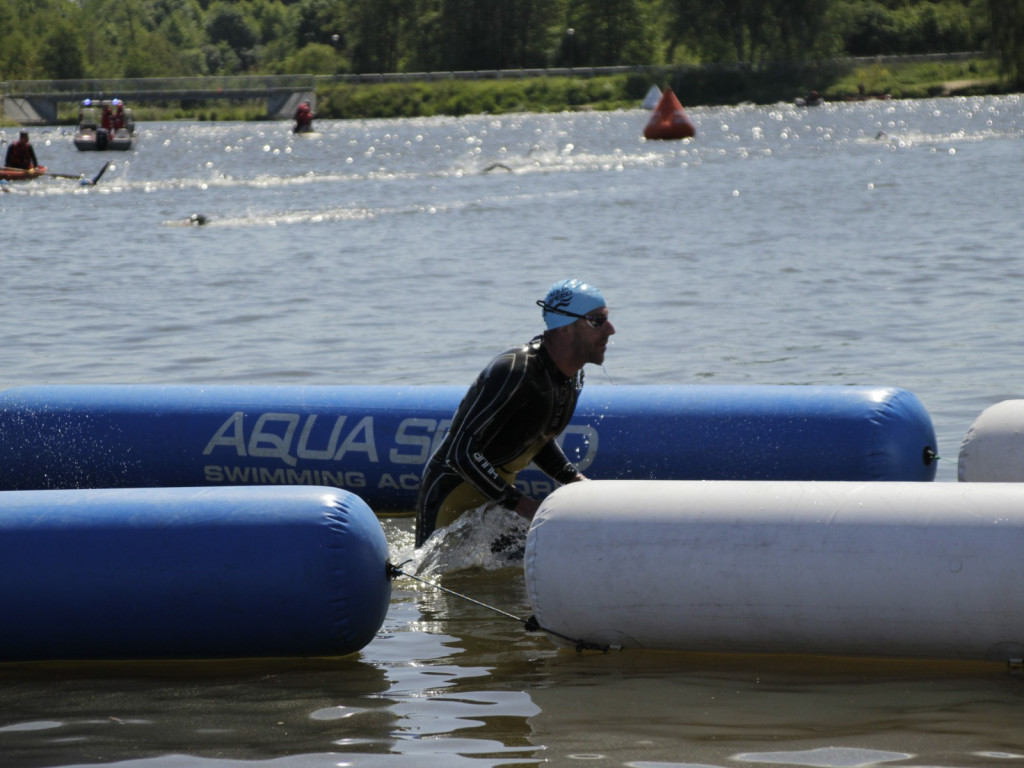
pixel 869 243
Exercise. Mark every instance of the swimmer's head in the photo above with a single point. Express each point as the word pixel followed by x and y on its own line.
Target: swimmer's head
pixel 569 300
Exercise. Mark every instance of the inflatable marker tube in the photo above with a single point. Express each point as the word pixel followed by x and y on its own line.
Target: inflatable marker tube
pixel 374 441
pixel 992 451
pixel 830 568
pixel 189 573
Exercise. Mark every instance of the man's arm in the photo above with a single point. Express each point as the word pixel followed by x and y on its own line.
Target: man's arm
pixel 551 460
pixel 500 383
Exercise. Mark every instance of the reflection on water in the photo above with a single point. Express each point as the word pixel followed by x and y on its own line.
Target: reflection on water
pixel 686 709
pixel 248 710
pixel 826 757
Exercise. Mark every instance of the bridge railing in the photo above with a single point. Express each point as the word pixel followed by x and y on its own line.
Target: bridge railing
pixel 126 87
pixel 233 84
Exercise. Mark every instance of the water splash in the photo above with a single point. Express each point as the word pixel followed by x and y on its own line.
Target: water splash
pixel 487 538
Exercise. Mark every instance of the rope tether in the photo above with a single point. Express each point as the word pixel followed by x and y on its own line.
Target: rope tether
pixel 531 624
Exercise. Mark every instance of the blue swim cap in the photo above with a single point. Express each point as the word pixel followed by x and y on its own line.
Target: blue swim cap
pixel 569 300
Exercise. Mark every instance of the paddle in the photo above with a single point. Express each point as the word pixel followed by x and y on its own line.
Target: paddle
pixel 61 175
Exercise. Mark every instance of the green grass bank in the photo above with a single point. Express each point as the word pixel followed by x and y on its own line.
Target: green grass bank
pixel 697 87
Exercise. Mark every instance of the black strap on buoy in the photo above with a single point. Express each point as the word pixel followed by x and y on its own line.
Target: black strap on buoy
pixel 531 624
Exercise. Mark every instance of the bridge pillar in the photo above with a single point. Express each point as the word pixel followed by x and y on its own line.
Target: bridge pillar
pixel 34 110
pixel 283 105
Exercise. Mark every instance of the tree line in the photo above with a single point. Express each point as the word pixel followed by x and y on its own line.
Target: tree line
pixel 76 39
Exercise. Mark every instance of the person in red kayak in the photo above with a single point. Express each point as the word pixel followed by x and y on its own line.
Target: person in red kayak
pixel 20 154
pixel 303 118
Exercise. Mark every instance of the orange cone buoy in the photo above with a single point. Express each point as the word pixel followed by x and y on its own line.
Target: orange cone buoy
pixel 669 120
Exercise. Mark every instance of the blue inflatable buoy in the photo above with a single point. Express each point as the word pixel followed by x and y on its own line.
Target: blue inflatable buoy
pixel 374 441
pixel 189 573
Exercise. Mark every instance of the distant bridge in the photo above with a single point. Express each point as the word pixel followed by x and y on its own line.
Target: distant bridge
pixel 34 102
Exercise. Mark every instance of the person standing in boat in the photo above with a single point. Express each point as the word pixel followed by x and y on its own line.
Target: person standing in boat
pixel 303 118
pixel 513 412
pixel 20 154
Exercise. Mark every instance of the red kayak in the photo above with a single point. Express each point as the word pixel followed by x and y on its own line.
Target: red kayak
pixel 20 174
pixel 669 120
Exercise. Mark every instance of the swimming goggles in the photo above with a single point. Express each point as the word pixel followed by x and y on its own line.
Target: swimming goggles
pixel 593 322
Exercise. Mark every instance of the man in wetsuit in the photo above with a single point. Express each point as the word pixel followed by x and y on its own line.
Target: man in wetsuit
pixel 20 154
pixel 514 411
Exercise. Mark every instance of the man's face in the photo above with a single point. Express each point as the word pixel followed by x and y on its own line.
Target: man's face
pixel 591 343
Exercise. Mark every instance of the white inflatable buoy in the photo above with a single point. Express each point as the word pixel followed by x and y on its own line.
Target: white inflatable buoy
pixel 992 451
pixel 892 569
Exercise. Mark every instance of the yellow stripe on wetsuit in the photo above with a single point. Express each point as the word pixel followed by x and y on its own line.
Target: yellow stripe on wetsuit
pixel 466 497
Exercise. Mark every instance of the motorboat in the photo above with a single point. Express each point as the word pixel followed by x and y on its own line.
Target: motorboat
pixel 104 125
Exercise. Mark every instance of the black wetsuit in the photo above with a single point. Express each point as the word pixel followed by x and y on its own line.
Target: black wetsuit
pixel 511 415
